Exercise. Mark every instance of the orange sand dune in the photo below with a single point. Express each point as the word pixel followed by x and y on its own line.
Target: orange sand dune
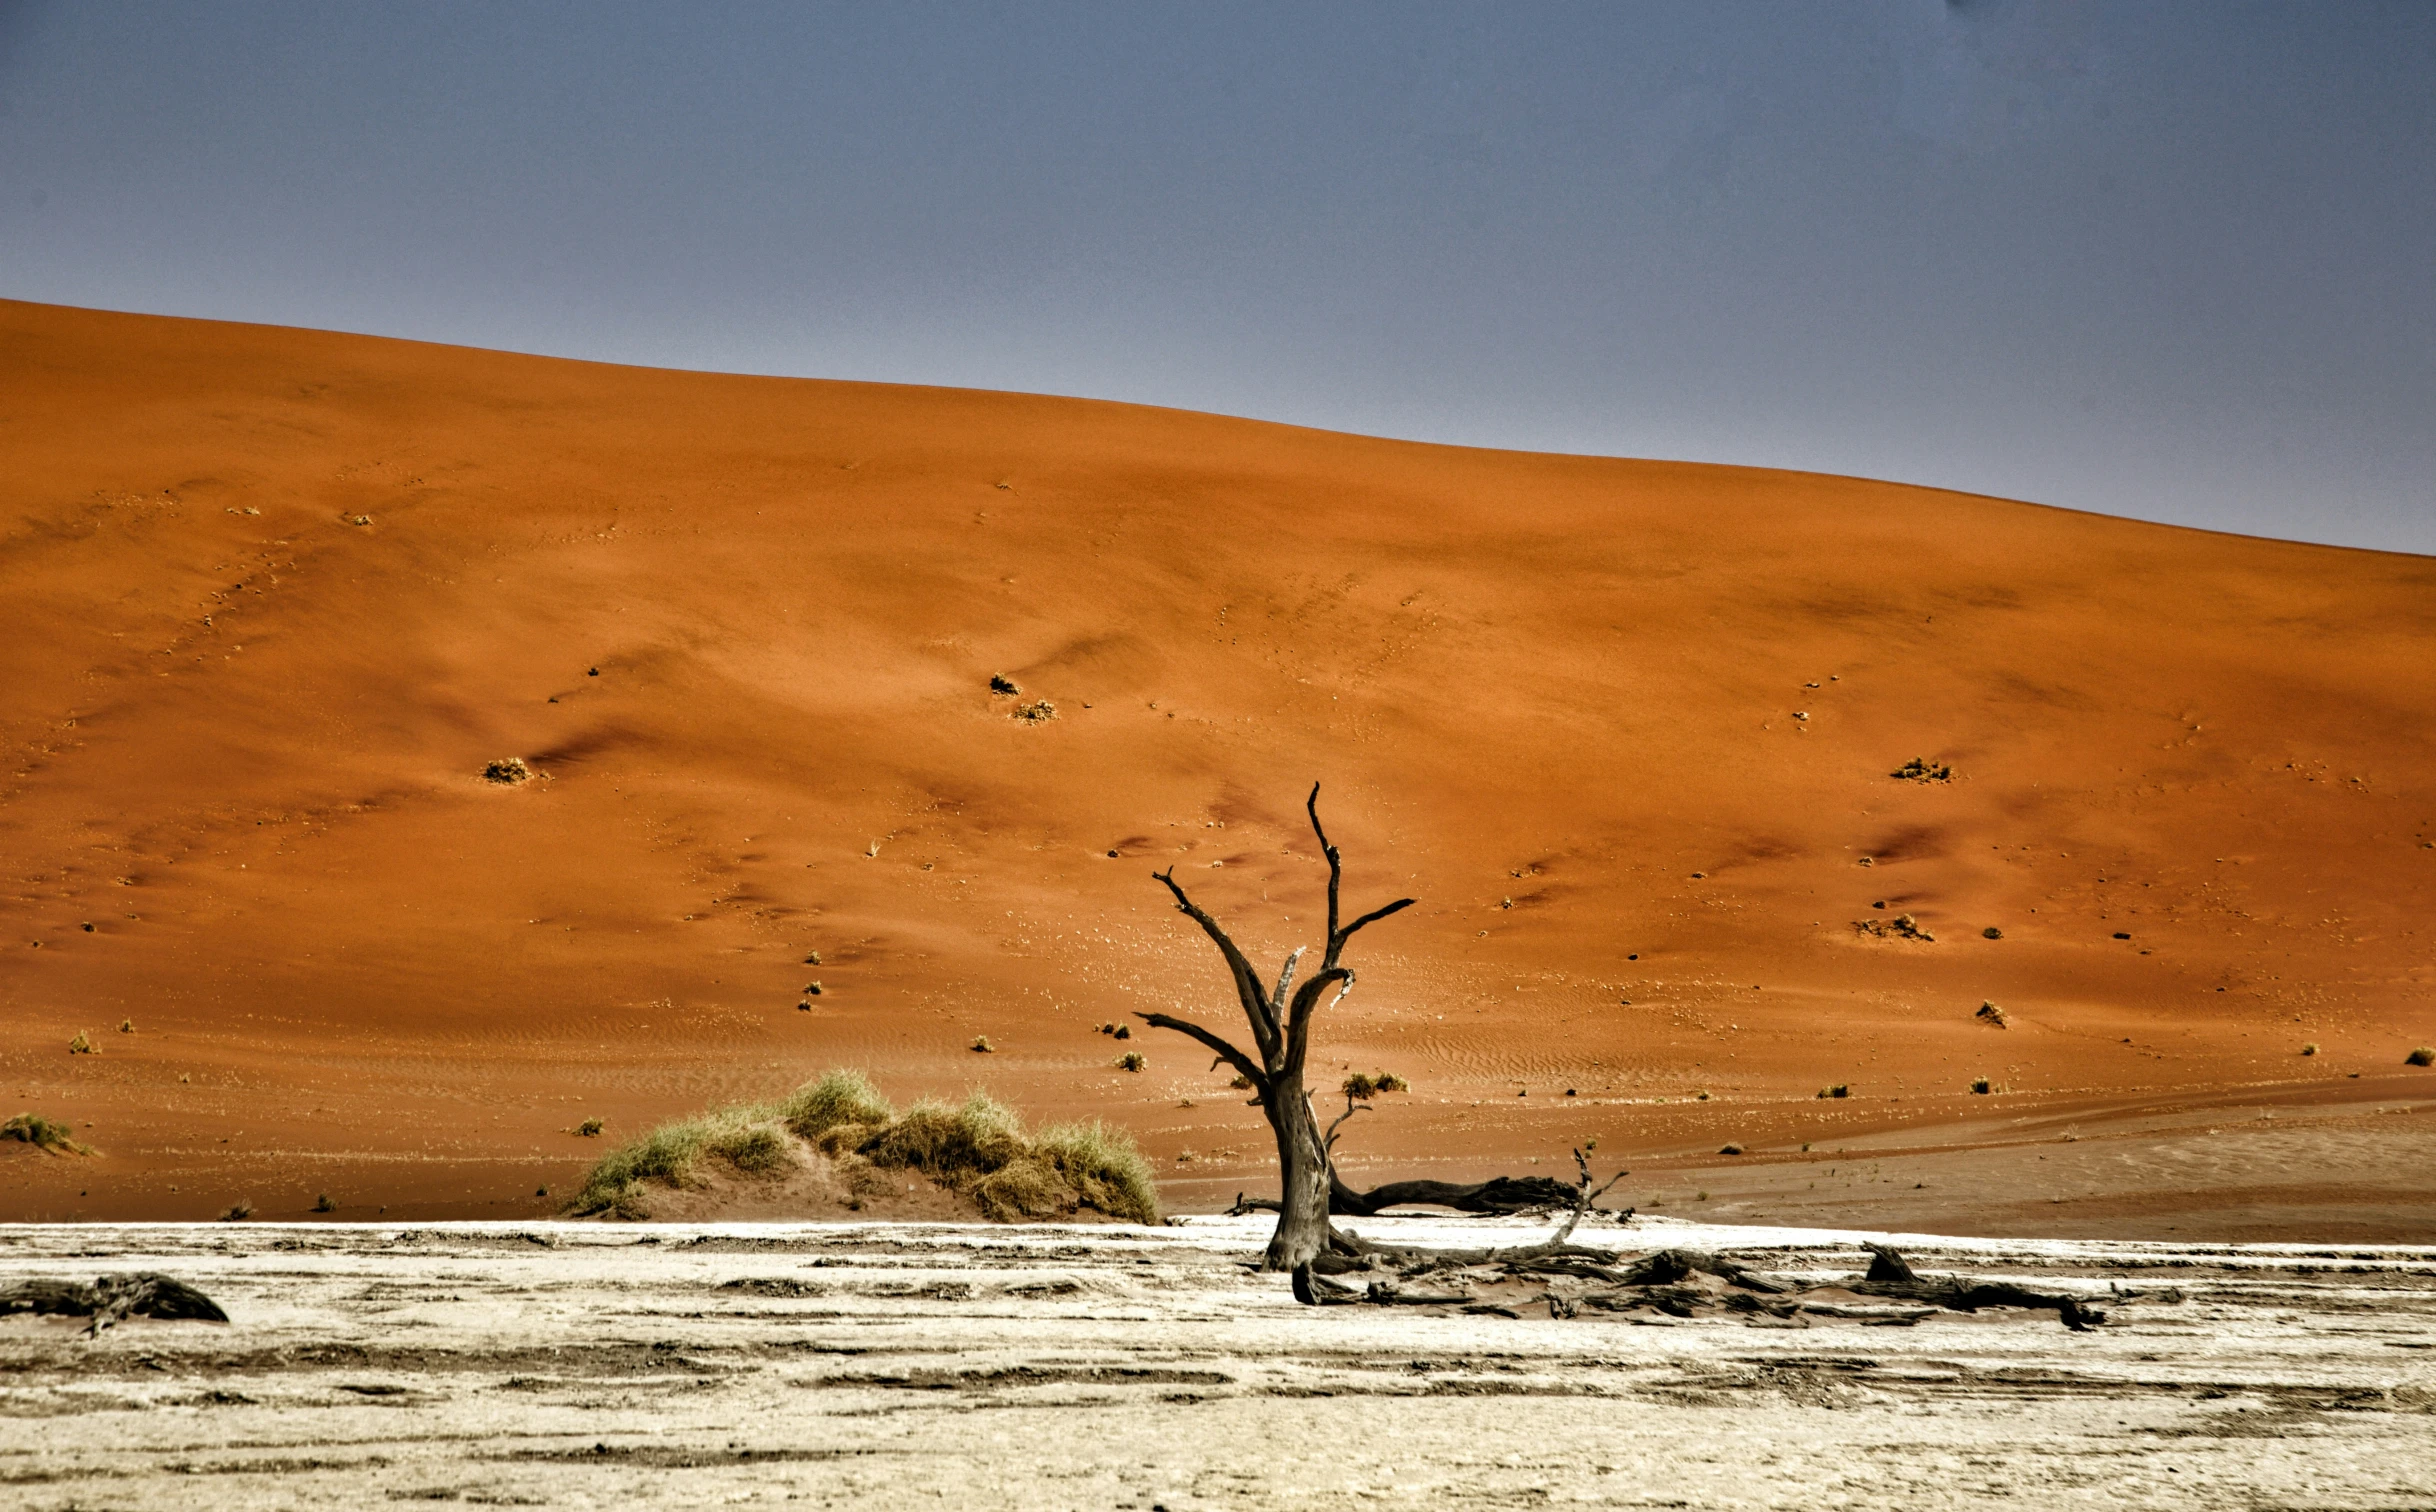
pixel 270 600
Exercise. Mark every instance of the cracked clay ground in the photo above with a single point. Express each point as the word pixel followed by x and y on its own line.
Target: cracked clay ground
pixel 577 1365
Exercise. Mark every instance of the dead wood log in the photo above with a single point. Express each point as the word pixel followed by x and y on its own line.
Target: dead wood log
pixel 142 1294
pixel 1890 1275
pixel 1498 1197
pixel 1502 1196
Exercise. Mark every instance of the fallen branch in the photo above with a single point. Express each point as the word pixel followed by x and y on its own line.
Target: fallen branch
pixel 1890 1275
pixel 143 1294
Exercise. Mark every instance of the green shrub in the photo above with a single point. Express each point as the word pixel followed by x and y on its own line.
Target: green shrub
pixel 841 1097
pixel 757 1150
pixel 1108 1174
pixel 948 1144
pixel 43 1134
pixel 977 1149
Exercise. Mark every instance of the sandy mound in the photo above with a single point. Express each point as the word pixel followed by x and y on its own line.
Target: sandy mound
pixel 275 603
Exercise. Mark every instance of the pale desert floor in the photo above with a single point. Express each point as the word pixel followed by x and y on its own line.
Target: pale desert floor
pixel 545 1364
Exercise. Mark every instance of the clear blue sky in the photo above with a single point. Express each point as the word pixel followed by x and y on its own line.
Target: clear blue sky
pixel 2176 261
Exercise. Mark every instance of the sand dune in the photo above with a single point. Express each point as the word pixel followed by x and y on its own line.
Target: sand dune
pixel 271 600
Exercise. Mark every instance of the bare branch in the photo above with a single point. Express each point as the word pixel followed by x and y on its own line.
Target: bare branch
pixel 1247 982
pixel 1352 1106
pixel 1243 1063
pixel 1337 942
pixel 1336 869
pixel 1285 979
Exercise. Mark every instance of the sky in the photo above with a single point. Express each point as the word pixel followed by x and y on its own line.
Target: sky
pixel 2175 261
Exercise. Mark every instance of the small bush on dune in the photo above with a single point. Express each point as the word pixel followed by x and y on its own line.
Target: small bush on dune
pixel 2425 1055
pixel 841 1097
pixel 43 1134
pixel 1104 1168
pixel 977 1149
pixel 745 1137
pixel 949 1144
pixel 1025 1187
pixel 758 1150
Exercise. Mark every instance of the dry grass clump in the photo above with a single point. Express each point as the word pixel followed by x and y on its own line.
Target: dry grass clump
pixel 978 1149
pixel 748 1139
pixel 2310 1049
pixel 1921 769
pixel 1131 1060
pixel 237 1212
pixel 2425 1055
pixel 81 1045
pixel 507 771
pixel 839 1098
pixel 1840 1089
pixel 43 1134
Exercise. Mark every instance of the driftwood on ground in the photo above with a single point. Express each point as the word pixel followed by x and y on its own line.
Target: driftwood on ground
pixel 1891 1276
pixel 1566 1277
pixel 142 1294
pixel 1502 1196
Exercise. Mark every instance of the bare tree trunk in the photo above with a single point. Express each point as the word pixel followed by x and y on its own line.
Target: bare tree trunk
pixel 1305 1176
pixel 1280 1020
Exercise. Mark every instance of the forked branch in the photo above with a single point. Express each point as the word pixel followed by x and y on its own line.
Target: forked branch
pixel 1336 874
pixel 1247 981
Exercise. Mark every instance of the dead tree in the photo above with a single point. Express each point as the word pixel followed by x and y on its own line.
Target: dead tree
pixel 1280 1019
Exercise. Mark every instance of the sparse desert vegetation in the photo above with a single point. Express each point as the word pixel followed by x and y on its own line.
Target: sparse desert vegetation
pixel 1900 927
pixel 507 771
pixel 43 1134
pixel 2425 1055
pixel 977 1150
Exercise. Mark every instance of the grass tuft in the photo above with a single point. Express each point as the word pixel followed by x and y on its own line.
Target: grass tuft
pixel 977 1149
pixel 43 1134
pixel 2425 1055
pixel 839 1098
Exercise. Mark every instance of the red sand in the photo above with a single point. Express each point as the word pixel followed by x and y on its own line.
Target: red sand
pixel 273 598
